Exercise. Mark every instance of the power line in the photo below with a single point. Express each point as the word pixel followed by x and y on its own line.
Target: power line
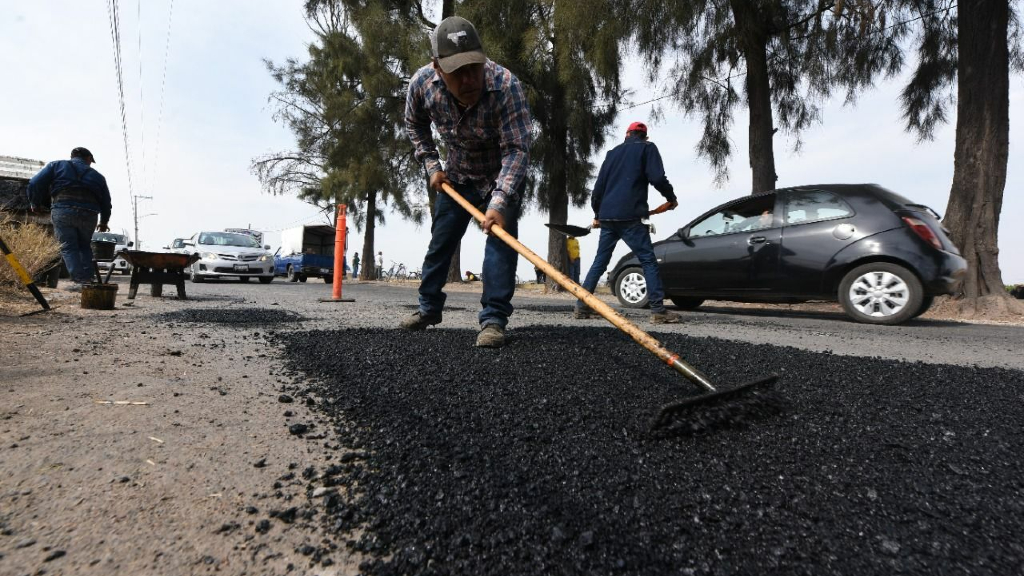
pixel 163 84
pixel 142 103
pixel 113 13
pixel 302 220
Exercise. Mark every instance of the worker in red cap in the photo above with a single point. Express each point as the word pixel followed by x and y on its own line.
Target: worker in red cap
pixel 620 203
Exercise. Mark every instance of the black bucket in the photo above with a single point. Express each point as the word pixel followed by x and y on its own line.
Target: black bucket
pixel 103 251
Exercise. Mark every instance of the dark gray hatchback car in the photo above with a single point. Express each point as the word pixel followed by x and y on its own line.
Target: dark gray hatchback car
pixel 881 256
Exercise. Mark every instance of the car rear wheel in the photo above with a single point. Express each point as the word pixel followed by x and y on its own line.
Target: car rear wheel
pixel 292 276
pixel 880 293
pixel 328 280
pixel 926 303
pixel 686 303
pixel 266 279
pixel 243 278
pixel 631 288
pixel 194 274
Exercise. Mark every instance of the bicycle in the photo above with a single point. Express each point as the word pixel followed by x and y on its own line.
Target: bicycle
pixel 396 272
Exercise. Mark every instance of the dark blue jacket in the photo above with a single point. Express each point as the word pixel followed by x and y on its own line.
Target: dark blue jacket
pixel 620 192
pixel 70 183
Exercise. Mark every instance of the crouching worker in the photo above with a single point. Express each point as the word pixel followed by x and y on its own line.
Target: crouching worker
pixel 479 110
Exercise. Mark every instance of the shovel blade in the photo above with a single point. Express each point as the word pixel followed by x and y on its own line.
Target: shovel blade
pixel 569 229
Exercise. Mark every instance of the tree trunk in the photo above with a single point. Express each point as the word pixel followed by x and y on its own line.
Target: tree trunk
pixel 754 41
pixel 454 269
pixel 558 213
pixel 982 150
pixel 369 258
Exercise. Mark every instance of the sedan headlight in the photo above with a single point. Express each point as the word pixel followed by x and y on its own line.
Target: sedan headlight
pixel 266 258
pixel 208 256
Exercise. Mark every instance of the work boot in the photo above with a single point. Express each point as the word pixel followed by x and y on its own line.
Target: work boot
pixel 666 317
pixel 491 336
pixel 584 313
pixel 419 321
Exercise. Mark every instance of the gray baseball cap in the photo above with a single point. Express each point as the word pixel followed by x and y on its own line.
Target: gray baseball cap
pixel 455 43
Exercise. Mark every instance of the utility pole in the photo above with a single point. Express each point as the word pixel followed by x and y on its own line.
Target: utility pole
pixel 135 215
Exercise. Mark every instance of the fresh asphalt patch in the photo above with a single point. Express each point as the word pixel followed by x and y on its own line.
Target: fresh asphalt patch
pixel 247 317
pixel 535 459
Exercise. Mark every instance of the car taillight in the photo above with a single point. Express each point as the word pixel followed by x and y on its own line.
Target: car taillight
pixel 924 231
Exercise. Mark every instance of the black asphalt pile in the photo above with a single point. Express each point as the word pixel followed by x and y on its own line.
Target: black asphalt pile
pixel 237 316
pixel 534 459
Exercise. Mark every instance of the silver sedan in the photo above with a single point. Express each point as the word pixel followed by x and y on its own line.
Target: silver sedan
pixel 228 254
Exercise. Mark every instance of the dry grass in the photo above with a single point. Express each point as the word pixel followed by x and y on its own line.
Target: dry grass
pixel 34 247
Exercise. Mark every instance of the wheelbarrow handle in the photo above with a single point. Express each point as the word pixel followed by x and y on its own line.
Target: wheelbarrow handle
pixel 634 331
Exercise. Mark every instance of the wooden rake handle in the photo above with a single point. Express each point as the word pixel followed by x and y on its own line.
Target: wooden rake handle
pixel 596 304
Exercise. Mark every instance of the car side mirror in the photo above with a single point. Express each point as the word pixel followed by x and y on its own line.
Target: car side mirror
pixel 130 244
pixel 266 246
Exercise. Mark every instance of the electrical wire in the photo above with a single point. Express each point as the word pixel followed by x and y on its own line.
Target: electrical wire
pixel 163 85
pixel 113 12
pixel 143 178
pixel 302 220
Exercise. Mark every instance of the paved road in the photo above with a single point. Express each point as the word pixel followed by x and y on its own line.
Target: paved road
pixel 381 304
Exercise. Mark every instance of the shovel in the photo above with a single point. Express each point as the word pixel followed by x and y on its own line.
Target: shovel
pixel 578 231
pixel 710 407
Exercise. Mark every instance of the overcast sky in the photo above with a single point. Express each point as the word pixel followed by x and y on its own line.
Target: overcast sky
pixel 194 131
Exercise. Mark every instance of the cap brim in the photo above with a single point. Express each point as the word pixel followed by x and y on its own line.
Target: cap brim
pixel 452 63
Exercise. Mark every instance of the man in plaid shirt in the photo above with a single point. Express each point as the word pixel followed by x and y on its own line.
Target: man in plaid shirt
pixel 479 110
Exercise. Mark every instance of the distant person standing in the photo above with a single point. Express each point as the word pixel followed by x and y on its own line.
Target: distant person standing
pixel 77 196
pixel 620 203
pixel 572 247
pixel 355 265
pixel 380 265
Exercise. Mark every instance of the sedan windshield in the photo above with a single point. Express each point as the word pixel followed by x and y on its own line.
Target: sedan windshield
pixel 228 239
pixel 108 237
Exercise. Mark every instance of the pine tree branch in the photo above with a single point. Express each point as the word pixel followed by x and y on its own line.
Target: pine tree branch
pixel 821 10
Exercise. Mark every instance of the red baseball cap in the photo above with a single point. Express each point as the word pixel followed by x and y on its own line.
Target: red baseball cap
pixel 637 127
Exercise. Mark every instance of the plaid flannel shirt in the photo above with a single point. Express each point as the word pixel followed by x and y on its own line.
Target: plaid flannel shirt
pixel 488 144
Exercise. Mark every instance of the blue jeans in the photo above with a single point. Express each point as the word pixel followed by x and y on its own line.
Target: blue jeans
pixel 73 228
pixel 500 260
pixel 638 238
pixel 574 270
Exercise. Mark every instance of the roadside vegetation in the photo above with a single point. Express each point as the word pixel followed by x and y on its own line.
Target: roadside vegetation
pixel 34 247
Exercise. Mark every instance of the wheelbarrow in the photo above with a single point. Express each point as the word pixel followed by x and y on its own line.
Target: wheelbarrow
pixel 157 269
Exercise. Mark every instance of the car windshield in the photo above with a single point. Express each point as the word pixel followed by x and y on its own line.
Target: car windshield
pixel 228 239
pixel 754 214
pixel 108 237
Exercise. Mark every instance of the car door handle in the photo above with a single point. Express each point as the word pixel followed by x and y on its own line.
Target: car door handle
pixel 756 240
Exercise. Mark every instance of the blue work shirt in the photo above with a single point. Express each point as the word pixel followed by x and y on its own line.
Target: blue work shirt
pixel 620 192
pixel 71 183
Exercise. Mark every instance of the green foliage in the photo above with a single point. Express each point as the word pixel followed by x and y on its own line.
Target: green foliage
pixel 568 57
pixel 931 91
pixel 345 105
pixel 810 49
